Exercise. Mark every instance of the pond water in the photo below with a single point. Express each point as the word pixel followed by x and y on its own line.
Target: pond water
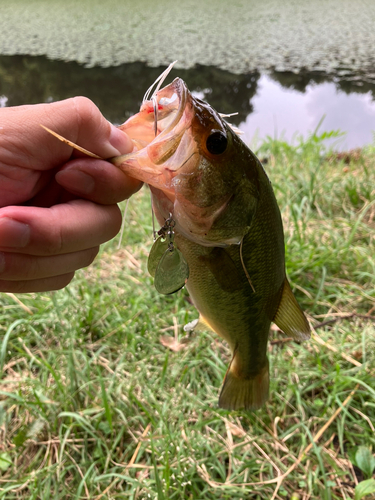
pixel 278 104
pixel 286 112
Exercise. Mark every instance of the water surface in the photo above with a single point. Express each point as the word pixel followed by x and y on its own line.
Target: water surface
pixel 282 65
pixel 279 104
pixel 239 36
pixel 282 112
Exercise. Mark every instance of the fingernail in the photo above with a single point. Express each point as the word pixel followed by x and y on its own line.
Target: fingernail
pixel 76 181
pixel 121 143
pixel 13 233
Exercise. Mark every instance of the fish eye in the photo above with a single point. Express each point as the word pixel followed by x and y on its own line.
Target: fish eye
pixel 216 142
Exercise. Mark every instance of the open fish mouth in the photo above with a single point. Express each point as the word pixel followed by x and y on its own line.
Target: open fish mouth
pixel 158 114
pixel 158 131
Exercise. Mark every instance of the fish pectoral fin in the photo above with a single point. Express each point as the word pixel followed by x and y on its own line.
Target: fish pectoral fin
pixel 290 317
pixel 244 393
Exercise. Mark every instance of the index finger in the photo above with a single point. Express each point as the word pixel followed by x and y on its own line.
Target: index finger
pixel 23 142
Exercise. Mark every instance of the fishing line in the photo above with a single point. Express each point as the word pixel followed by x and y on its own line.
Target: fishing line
pixel 155 103
pixel 153 220
pixel 244 268
pixel 123 224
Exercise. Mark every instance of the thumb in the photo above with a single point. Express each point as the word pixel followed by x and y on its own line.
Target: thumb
pixel 76 119
pixel 95 180
pixel 91 130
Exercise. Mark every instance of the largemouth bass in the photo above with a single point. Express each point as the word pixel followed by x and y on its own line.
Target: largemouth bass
pixel 227 226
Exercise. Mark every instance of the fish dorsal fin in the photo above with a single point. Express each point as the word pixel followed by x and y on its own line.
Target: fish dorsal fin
pixel 290 317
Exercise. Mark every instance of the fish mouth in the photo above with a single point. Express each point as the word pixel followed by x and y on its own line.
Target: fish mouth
pixel 161 146
pixel 168 106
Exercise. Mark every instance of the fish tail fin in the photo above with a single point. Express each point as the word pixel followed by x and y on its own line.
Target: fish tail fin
pixel 247 393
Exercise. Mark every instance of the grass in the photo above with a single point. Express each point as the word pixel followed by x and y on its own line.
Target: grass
pixel 93 404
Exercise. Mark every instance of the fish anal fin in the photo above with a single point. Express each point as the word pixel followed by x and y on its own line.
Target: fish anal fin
pixel 290 317
pixel 198 325
pixel 244 393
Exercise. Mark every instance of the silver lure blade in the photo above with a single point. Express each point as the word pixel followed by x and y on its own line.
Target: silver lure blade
pixel 172 272
pixel 156 253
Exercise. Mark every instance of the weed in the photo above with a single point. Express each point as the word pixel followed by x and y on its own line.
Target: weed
pixel 93 405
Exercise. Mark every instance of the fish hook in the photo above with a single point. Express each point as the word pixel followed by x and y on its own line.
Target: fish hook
pixel 155 103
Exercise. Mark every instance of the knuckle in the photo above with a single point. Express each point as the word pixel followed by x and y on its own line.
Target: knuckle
pixel 84 107
pixel 90 255
pixel 87 113
pixel 116 221
pixel 60 282
pixel 90 120
pixel 54 241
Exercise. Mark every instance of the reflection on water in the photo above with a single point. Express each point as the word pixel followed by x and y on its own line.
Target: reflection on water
pixel 266 105
pixel 285 113
pixel 117 91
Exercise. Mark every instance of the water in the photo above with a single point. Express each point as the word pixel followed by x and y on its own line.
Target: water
pixel 237 36
pixel 287 113
pixel 278 104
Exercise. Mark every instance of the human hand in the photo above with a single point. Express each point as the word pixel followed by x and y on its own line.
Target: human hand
pixel 58 206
